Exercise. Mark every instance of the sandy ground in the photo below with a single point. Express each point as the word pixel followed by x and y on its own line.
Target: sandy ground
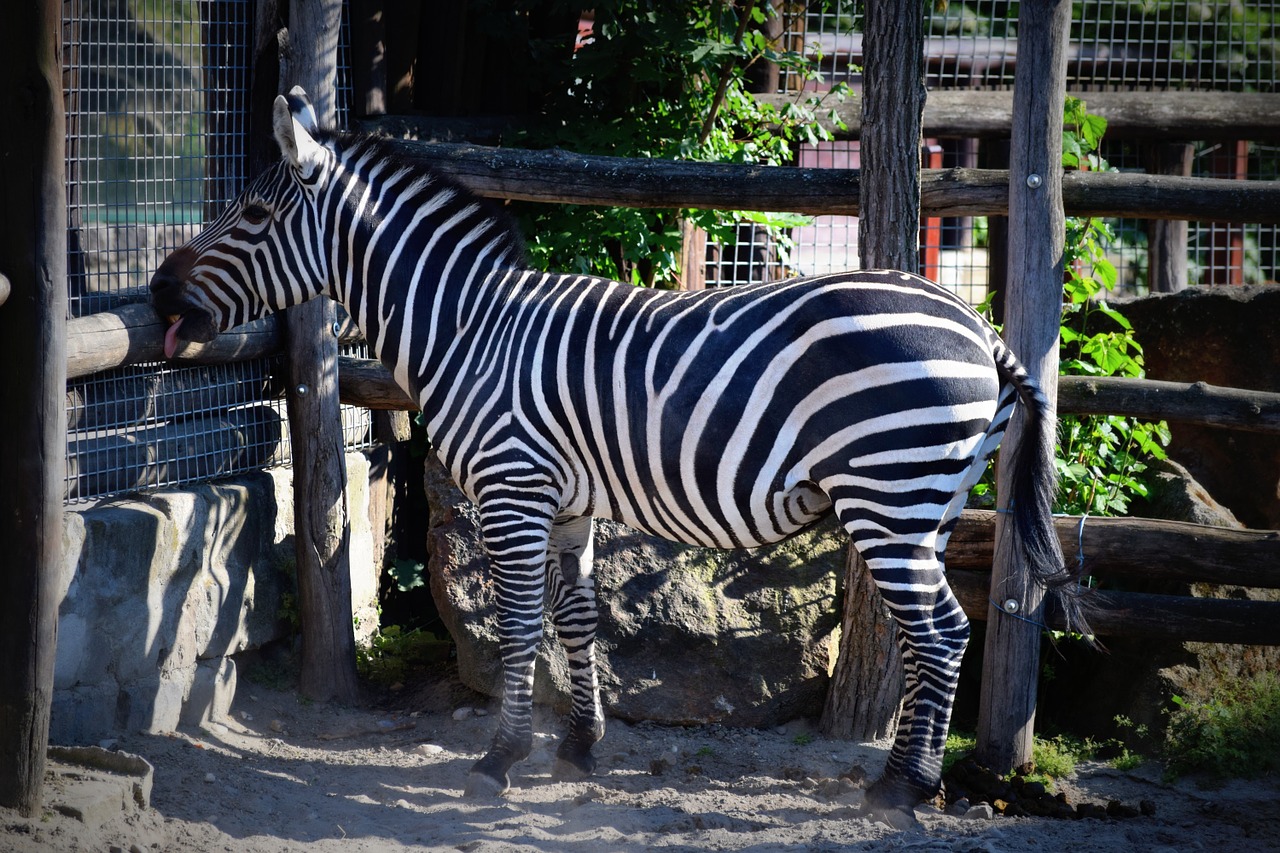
pixel 288 775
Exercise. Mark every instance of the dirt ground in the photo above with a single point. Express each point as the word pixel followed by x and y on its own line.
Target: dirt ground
pixel 288 775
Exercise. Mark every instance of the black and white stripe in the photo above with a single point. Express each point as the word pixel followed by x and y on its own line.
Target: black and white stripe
pixel 731 417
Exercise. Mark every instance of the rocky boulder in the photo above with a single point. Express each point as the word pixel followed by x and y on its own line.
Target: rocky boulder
pixel 1227 336
pixel 687 635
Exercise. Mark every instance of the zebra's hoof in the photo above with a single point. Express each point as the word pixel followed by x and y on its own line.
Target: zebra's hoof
pixel 891 799
pixel 896 817
pixel 482 786
pixel 564 770
pixel 574 760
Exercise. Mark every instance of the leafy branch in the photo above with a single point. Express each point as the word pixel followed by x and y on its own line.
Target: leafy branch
pixel 666 81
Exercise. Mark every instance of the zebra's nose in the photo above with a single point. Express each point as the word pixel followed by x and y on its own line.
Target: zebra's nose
pixel 164 282
pixel 168 279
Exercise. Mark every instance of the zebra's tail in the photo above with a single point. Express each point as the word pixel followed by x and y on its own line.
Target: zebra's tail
pixel 1030 503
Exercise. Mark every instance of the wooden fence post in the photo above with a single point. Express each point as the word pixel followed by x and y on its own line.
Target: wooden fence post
pixel 866 685
pixel 33 319
pixel 1167 238
pixel 321 515
pixel 1033 309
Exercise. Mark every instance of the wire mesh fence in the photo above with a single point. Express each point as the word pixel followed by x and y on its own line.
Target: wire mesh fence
pixel 1115 46
pixel 156 94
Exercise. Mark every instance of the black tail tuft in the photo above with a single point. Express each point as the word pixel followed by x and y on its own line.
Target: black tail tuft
pixel 1034 485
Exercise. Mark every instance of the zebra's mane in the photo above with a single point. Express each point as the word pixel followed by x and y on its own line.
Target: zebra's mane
pixel 402 156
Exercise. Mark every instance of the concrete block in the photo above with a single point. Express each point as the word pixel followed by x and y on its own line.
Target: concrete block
pixel 95 785
pixel 159 589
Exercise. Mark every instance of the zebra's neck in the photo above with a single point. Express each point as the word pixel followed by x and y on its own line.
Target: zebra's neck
pixel 416 258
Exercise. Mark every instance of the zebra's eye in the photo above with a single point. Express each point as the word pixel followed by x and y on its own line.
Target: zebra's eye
pixel 257 214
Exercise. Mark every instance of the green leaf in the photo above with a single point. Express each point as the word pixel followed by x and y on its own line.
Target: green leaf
pixel 408 574
pixel 1106 271
pixel 1092 129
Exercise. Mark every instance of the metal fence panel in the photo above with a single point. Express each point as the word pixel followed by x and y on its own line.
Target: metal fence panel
pixel 157 99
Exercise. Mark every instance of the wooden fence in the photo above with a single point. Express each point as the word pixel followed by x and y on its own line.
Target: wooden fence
pixel 133 334
pixel 1114 548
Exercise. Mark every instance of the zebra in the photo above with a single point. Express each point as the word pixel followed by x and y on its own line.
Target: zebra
pixel 728 417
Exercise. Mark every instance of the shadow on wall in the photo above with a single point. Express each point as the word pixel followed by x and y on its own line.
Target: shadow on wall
pixel 159 590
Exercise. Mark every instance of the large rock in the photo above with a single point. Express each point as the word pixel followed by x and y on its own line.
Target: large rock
pixel 687 635
pixel 1226 336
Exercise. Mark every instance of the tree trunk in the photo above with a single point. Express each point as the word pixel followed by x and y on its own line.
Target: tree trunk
pixel 866 686
pixel 1032 319
pixel 865 695
pixel 33 258
pixel 321 515
pixel 892 106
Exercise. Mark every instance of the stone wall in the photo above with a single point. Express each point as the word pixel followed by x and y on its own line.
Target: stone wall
pixel 161 589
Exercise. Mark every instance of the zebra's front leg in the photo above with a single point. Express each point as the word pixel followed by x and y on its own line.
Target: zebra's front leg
pixel 517 548
pixel 573 612
pixel 932 633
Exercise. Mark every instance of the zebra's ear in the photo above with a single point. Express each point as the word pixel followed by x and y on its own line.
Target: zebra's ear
pixel 303 112
pixel 294 122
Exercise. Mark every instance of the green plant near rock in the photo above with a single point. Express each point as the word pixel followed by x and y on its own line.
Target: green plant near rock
pixel 393 653
pixel 1054 757
pixel 1234 733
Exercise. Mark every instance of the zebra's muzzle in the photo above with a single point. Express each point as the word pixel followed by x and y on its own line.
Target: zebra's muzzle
pixel 172 299
pixel 194 325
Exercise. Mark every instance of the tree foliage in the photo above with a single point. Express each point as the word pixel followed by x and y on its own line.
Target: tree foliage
pixel 670 81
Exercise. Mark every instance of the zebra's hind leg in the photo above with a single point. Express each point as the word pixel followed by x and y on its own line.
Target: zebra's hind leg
pixel 932 633
pixel 517 546
pixel 573 612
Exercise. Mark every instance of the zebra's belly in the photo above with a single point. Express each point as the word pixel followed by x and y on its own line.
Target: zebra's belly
pixel 782 514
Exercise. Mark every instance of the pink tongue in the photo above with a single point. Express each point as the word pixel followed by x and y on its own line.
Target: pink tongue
pixel 171 339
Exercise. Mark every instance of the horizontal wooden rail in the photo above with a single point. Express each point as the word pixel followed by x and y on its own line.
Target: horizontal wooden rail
pixel 131 334
pixel 1140 549
pixel 365 382
pixel 966 114
pixel 564 177
pixel 1155 116
pixel 1151 399
pixel 1177 618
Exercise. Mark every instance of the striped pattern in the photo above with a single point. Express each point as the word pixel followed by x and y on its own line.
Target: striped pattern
pixel 728 418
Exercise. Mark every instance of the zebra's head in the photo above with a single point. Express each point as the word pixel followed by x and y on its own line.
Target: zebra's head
pixel 263 253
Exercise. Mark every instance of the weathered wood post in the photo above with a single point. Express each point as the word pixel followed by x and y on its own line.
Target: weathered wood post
pixel 866 686
pixel 1033 310
pixel 1167 238
pixel 33 318
pixel 321 515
